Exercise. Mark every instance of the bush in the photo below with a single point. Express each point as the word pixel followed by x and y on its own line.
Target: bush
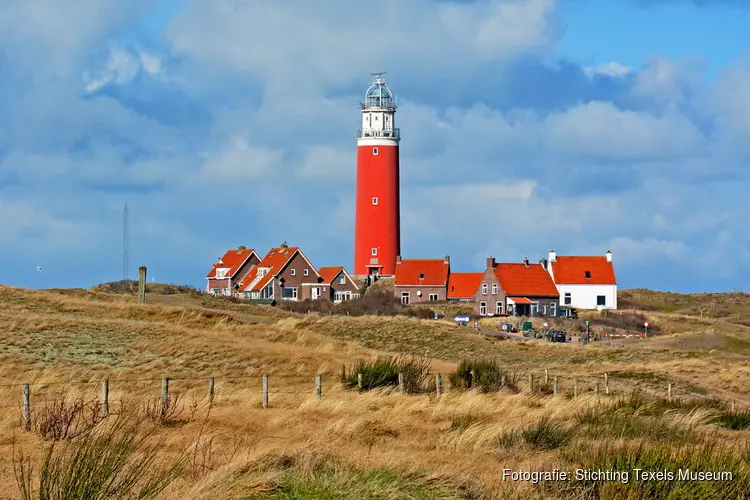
pixel 375 302
pixel 487 376
pixel 545 435
pixel 62 419
pixel 119 463
pixel 383 372
pixel 734 420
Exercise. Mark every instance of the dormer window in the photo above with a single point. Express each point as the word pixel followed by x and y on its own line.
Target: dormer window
pixel 421 276
pixel 588 274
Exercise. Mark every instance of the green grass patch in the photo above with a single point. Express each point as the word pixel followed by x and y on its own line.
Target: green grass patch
pixel 547 434
pixel 484 374
pixel 384 371
pixel 734 420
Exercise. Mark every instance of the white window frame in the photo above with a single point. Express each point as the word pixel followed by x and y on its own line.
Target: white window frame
pixel 484 288
pixel 597 300
pixel 568 298
pixel 292 272
pixel 374 200
pixel 534 309
pixel 544 309
pixel 483 308
pixel 342 280
pixel 374 252
pixel 499 307
pixel 221 274
pixel 405 298
pixel 494 289
pixel 294 293
pixel 434 297
pixel 553 308
pixel 305 272
pixel 375 151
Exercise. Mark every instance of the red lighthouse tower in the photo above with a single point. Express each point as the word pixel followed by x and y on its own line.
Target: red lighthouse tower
pixel 377 238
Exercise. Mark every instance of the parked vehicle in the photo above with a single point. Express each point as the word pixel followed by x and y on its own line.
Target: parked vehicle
pixel 557 336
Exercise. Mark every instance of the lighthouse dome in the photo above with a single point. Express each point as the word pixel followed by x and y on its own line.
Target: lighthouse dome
pixel 378 95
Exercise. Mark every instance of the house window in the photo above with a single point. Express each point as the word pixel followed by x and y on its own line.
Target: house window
pixel 544 310
pixel 433 297
pixel 494 289
pixel 552 309
pixel 483 308
pixel 601 300
pixel 342 280
pixel 292 272
pixel 499 307
pixel 215 291
pixel 568 299
pixel 534 308
pixel 484 288
pixel 588 274
pixel 375 151
pixel 421 276
pixel 305 272
pixel 374 251
pixel 288 293
pixel 374 200
pixel 405 298
pixel 267 292
pixel 220 274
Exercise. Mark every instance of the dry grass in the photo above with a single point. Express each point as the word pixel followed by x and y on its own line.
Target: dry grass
pixel 378 444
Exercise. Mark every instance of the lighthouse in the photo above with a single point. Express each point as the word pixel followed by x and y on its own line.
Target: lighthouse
pixel 377 227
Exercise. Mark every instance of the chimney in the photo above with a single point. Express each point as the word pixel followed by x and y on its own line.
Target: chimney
pixel 552 256
pixel 608 255
pixel 543 263
pixel 490 262
pixel 447 259
pixel 398 259
pixel 526 262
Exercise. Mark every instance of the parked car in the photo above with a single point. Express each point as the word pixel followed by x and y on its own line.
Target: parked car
pixel 557 336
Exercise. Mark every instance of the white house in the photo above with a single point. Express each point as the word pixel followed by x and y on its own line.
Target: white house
pixel 584 282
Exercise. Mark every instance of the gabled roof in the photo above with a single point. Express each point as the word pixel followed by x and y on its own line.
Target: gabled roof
pixel 522 280
pixel 275 261
pixel 328 274
pixel 463 285
pixel 232 260
pixel 424 272
pixel 569 270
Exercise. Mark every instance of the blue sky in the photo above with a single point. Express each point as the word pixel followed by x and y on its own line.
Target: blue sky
pixel 527 125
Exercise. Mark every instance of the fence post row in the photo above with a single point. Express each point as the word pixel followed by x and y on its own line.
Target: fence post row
pixel 554 386
pixel 606 384
pixel 531 382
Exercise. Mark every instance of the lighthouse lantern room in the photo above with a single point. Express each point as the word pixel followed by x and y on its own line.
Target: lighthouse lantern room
pixel 377 238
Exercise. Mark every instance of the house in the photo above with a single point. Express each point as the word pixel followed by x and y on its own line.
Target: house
pixel 337 285
pixel 528 289
pixel 283 274
pixel 226 275
pixel 421 280
pixel 489 299
pixel 584 282
pixel 462 287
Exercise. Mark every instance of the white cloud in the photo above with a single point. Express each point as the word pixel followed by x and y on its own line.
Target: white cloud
pixel 325 164
pixel 607 69
pixel 647 249
pixel 667 81
pixel 239 161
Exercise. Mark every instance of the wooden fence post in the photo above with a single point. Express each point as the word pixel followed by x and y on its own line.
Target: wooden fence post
pixel 25 407
pixel 503 381
pixel 531 382
pixel 438 384
pixel 733 406
pixel 401 383
pixel 546 377
pixel 554 385
pixel 105 398
pixel 359 381
pixel 142 285
pixel 575 387
pixel 606 384
pixel 164 395
pixel 265 391
pixel 319 385
pixel 471 379
pixel 669 392
pixel 211 390
pixel 596 389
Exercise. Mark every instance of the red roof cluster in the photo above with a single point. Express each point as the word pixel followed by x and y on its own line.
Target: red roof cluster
pixel 232 260
pixel 522 279
pixel 274 261
pixel 329 273
pixel 463 285
pixel 424 272
pixel 583 271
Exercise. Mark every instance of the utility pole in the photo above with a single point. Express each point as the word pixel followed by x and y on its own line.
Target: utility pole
pixel 125 242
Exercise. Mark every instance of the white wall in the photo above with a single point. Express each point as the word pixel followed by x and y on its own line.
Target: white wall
pixel 584 296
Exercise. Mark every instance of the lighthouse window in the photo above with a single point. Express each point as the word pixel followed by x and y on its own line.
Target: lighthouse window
pixel 374 200
pixel 374 251
pixel 375 151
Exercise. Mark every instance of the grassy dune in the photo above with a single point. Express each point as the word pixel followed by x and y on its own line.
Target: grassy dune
pixel 376 444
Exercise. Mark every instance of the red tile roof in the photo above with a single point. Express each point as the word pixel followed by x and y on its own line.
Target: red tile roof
pixel 233 260
pixel 517 279
pixel 463 285
pixel 572 271
pixel 329 273
pixel 433 272
pixel 520 300
pixel 275 260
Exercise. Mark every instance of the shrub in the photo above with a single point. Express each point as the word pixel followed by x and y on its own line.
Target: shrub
pixel 118 463
pixel 375 302
pixel 734 420
pixel 545 435
pixel 487 376
pixel 164 412
pixel 383 372
pixel 61 419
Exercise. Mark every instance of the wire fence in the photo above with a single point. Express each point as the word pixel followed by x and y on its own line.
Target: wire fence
pixel 162 393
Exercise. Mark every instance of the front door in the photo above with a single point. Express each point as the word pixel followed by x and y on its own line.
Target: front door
pixel 314 293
